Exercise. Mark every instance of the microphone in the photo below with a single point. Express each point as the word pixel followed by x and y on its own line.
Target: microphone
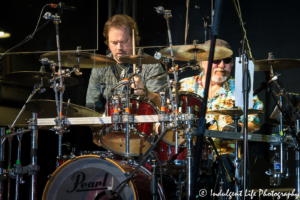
pixel 159 9
pixel 61 5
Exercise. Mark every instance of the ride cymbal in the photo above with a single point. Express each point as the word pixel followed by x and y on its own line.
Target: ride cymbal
pixel 86 60
pixel 29 78
pixel 139 59
pixel 187 52
pixel 233 112
pixel 277 64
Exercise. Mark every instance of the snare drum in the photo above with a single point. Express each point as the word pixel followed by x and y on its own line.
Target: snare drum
pixel 90 177
pixel 140 134
pixel 186 99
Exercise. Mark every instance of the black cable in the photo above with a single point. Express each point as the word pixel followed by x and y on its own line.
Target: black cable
pixel 29 37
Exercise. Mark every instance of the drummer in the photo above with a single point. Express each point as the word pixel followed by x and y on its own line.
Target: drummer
pixel 221 94
pixel 118 34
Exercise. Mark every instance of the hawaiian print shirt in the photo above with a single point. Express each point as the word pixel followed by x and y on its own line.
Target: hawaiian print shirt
pixel 223 99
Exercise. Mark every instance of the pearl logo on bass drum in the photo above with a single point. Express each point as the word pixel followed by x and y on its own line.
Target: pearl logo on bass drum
pixel 80 185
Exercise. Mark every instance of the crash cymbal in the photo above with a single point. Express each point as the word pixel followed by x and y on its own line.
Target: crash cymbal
pixel 233 112
pixel 86 60
pixel 277 64
pixel 137 59
pixel 29 78
pixel 47 109
pixel 186 52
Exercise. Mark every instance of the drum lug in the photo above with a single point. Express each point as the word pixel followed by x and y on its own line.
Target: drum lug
pixel 127 174
pixel 49 176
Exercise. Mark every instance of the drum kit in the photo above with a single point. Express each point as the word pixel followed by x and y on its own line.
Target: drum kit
pixel 138 136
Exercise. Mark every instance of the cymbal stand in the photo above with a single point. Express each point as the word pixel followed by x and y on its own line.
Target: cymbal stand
pixel 276 173
pixel 167 15
pixel 18 168
pixel 9 165
pixel 189 134
pixel 297 156
pixel 2 156
pixel 37 87
pixel 237 160
pixel 60 127
pixel 33 168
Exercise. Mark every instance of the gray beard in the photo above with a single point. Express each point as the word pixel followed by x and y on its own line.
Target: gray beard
pixel 219 80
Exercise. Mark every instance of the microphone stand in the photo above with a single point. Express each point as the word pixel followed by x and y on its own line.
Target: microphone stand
pixel 202 121
pixel 246 90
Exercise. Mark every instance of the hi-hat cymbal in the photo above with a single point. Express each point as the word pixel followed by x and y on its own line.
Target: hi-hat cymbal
pixel 187 52
pixel 29 78
pixel 137 59
pixel 86 60
pixel 277 64
pixel 233 112
pixel 47 109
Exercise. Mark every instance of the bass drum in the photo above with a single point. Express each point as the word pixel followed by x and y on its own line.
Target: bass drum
pixel 90 177
pixel 140 135
pixel 186 99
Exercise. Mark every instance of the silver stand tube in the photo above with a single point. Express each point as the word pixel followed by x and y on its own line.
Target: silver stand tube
pixel 189 135
pixel 9 166
pixel 34 167
pixel 59 148
pixel 127 124
pixel 237 160
pixel 298 160
pixel 189 160
pixel 2 148
pixel 18 164
pixel 59 70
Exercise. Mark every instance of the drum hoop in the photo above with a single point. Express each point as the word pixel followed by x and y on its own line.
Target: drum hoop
pixel 134 97
pixel 122 154
pixel 84 156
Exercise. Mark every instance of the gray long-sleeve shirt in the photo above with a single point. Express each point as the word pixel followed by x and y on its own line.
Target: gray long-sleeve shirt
pixel 100 76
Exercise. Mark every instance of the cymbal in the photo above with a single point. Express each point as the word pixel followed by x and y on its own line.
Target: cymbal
pixel 136 59
pixel 233 112
pixel 277 64
pixel 29 78
pixel 47 109
pixel 86 60
pixel 186 52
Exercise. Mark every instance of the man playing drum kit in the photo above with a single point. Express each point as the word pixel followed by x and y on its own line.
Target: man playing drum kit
pixel 221 94
pixel 118 34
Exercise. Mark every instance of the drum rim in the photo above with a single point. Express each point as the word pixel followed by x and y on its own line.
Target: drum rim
pixel 48 184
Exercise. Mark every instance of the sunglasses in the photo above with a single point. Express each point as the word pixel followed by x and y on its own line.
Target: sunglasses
pixel 225 60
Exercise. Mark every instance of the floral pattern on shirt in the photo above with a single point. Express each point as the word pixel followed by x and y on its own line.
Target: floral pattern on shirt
pixel 224 98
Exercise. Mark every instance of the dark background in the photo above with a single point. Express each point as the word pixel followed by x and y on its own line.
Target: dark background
pixel 272 26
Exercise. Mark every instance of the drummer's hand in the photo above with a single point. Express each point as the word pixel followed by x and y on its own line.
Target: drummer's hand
pixel 139 88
